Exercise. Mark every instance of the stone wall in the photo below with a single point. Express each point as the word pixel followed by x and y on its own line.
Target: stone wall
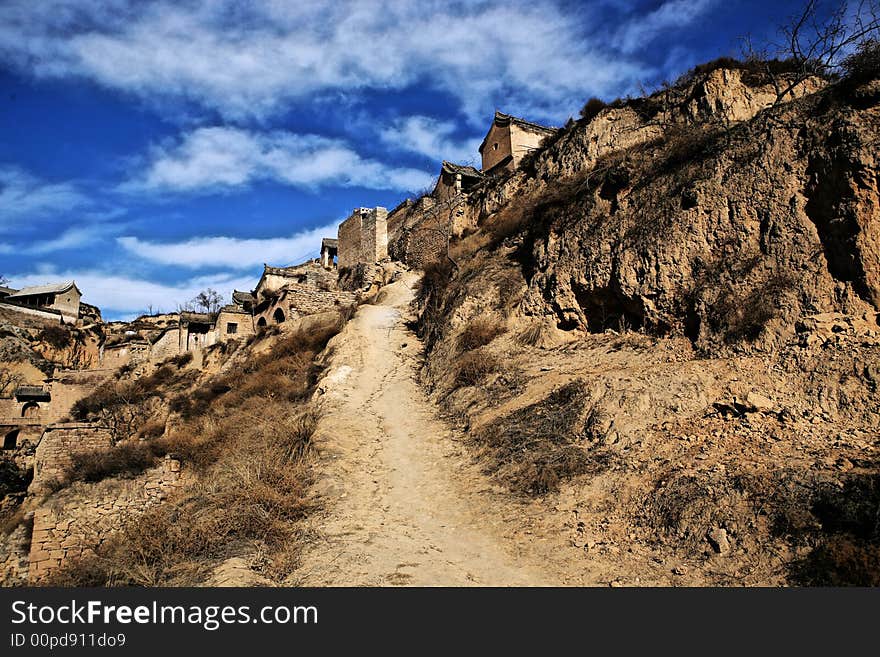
pixel 58 444
pixel 14 551
pixel 309 302
pixel 421 236
pixel 69 386
pixel 27 317
pixel 234 324
pixel 166 346
pixel 79 519
pixel 363 237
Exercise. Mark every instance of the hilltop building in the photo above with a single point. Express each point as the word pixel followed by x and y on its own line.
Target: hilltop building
pixel 509 140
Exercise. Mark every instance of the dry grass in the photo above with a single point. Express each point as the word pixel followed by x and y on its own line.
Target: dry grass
pixel 534 449
pixel 248 443
pixel 123 460
pixel 480 332
pixel 473 367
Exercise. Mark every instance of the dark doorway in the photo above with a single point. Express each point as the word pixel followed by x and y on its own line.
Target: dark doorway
pixel 10 441
pixel 278 315
pixel 31 409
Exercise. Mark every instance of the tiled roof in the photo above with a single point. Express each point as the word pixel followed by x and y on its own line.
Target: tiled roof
pixel 54 288
pixel 332 242
pixel 464 170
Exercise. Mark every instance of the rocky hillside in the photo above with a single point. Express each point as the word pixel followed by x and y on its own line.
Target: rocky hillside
pixel 666 323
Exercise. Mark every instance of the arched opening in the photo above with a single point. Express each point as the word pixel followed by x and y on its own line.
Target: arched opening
pixel 261 323
pixel 10 441
pixel 278 315
pixel 31 409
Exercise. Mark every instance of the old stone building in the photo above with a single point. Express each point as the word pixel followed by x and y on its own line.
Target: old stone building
pixel 62 297
pixel 454 180
pixel 508 141
pixel 363 237
pixel 283 293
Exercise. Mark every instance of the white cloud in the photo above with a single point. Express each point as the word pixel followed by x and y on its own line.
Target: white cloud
pixel 432 138
pixel 231 252
pixel 220 157
pixel 24 196
pixel 672 14
pixel 120 295
pixel 72 238
pixel 251 60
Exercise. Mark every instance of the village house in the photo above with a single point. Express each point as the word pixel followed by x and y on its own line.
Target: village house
pixel 61 298
pixel 283 293
pixel 508 141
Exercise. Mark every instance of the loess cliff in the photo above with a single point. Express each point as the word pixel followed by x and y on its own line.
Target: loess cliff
pixel 665 326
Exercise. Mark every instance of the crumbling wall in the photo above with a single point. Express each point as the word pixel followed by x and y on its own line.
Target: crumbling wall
pixel 166 346
pixel 309 302
pixel 77 520
pixel 57 446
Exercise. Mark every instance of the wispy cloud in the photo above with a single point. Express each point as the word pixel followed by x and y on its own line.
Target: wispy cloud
pixel 226 157
pixel 251 60
pixel 230 252
pixel 639 32
pixel 432 138
pixel 25 196
pixel 73 238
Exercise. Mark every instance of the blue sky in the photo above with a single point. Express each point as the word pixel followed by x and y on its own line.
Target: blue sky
pixel 151 149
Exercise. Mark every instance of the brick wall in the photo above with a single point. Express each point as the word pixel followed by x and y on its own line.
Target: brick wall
pixel 348 234
pixel 79 519
pixel 363 237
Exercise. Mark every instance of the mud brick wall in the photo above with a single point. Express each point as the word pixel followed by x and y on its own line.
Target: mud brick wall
pixel 78 520
pixel 308 302
pixel 57 445
pixel 27 317
pixel 69 386
pixel 166 346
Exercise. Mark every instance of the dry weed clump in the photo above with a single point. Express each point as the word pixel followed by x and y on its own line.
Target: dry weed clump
pixel 480 332
pixel 473 367
pixel 537 447
pixel 129 458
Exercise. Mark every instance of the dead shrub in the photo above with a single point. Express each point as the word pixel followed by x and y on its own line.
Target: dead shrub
pixel 480 332
pixel 531 335
pixel 864 64
pixel 253 493
pixel 56 336
pixel 473 367
pixel 591 109
pixel 181 360
pixel 126 459
pixel 537 447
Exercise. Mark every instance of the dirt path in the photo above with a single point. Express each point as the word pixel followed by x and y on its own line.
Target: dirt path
pixel 404 505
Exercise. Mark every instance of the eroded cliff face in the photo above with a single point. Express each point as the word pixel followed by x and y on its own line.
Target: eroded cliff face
pixel 726 233
pixel 666 325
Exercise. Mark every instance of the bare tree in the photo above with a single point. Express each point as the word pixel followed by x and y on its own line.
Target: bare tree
pixel 9 381
pixel 817 40
pixel 208 300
